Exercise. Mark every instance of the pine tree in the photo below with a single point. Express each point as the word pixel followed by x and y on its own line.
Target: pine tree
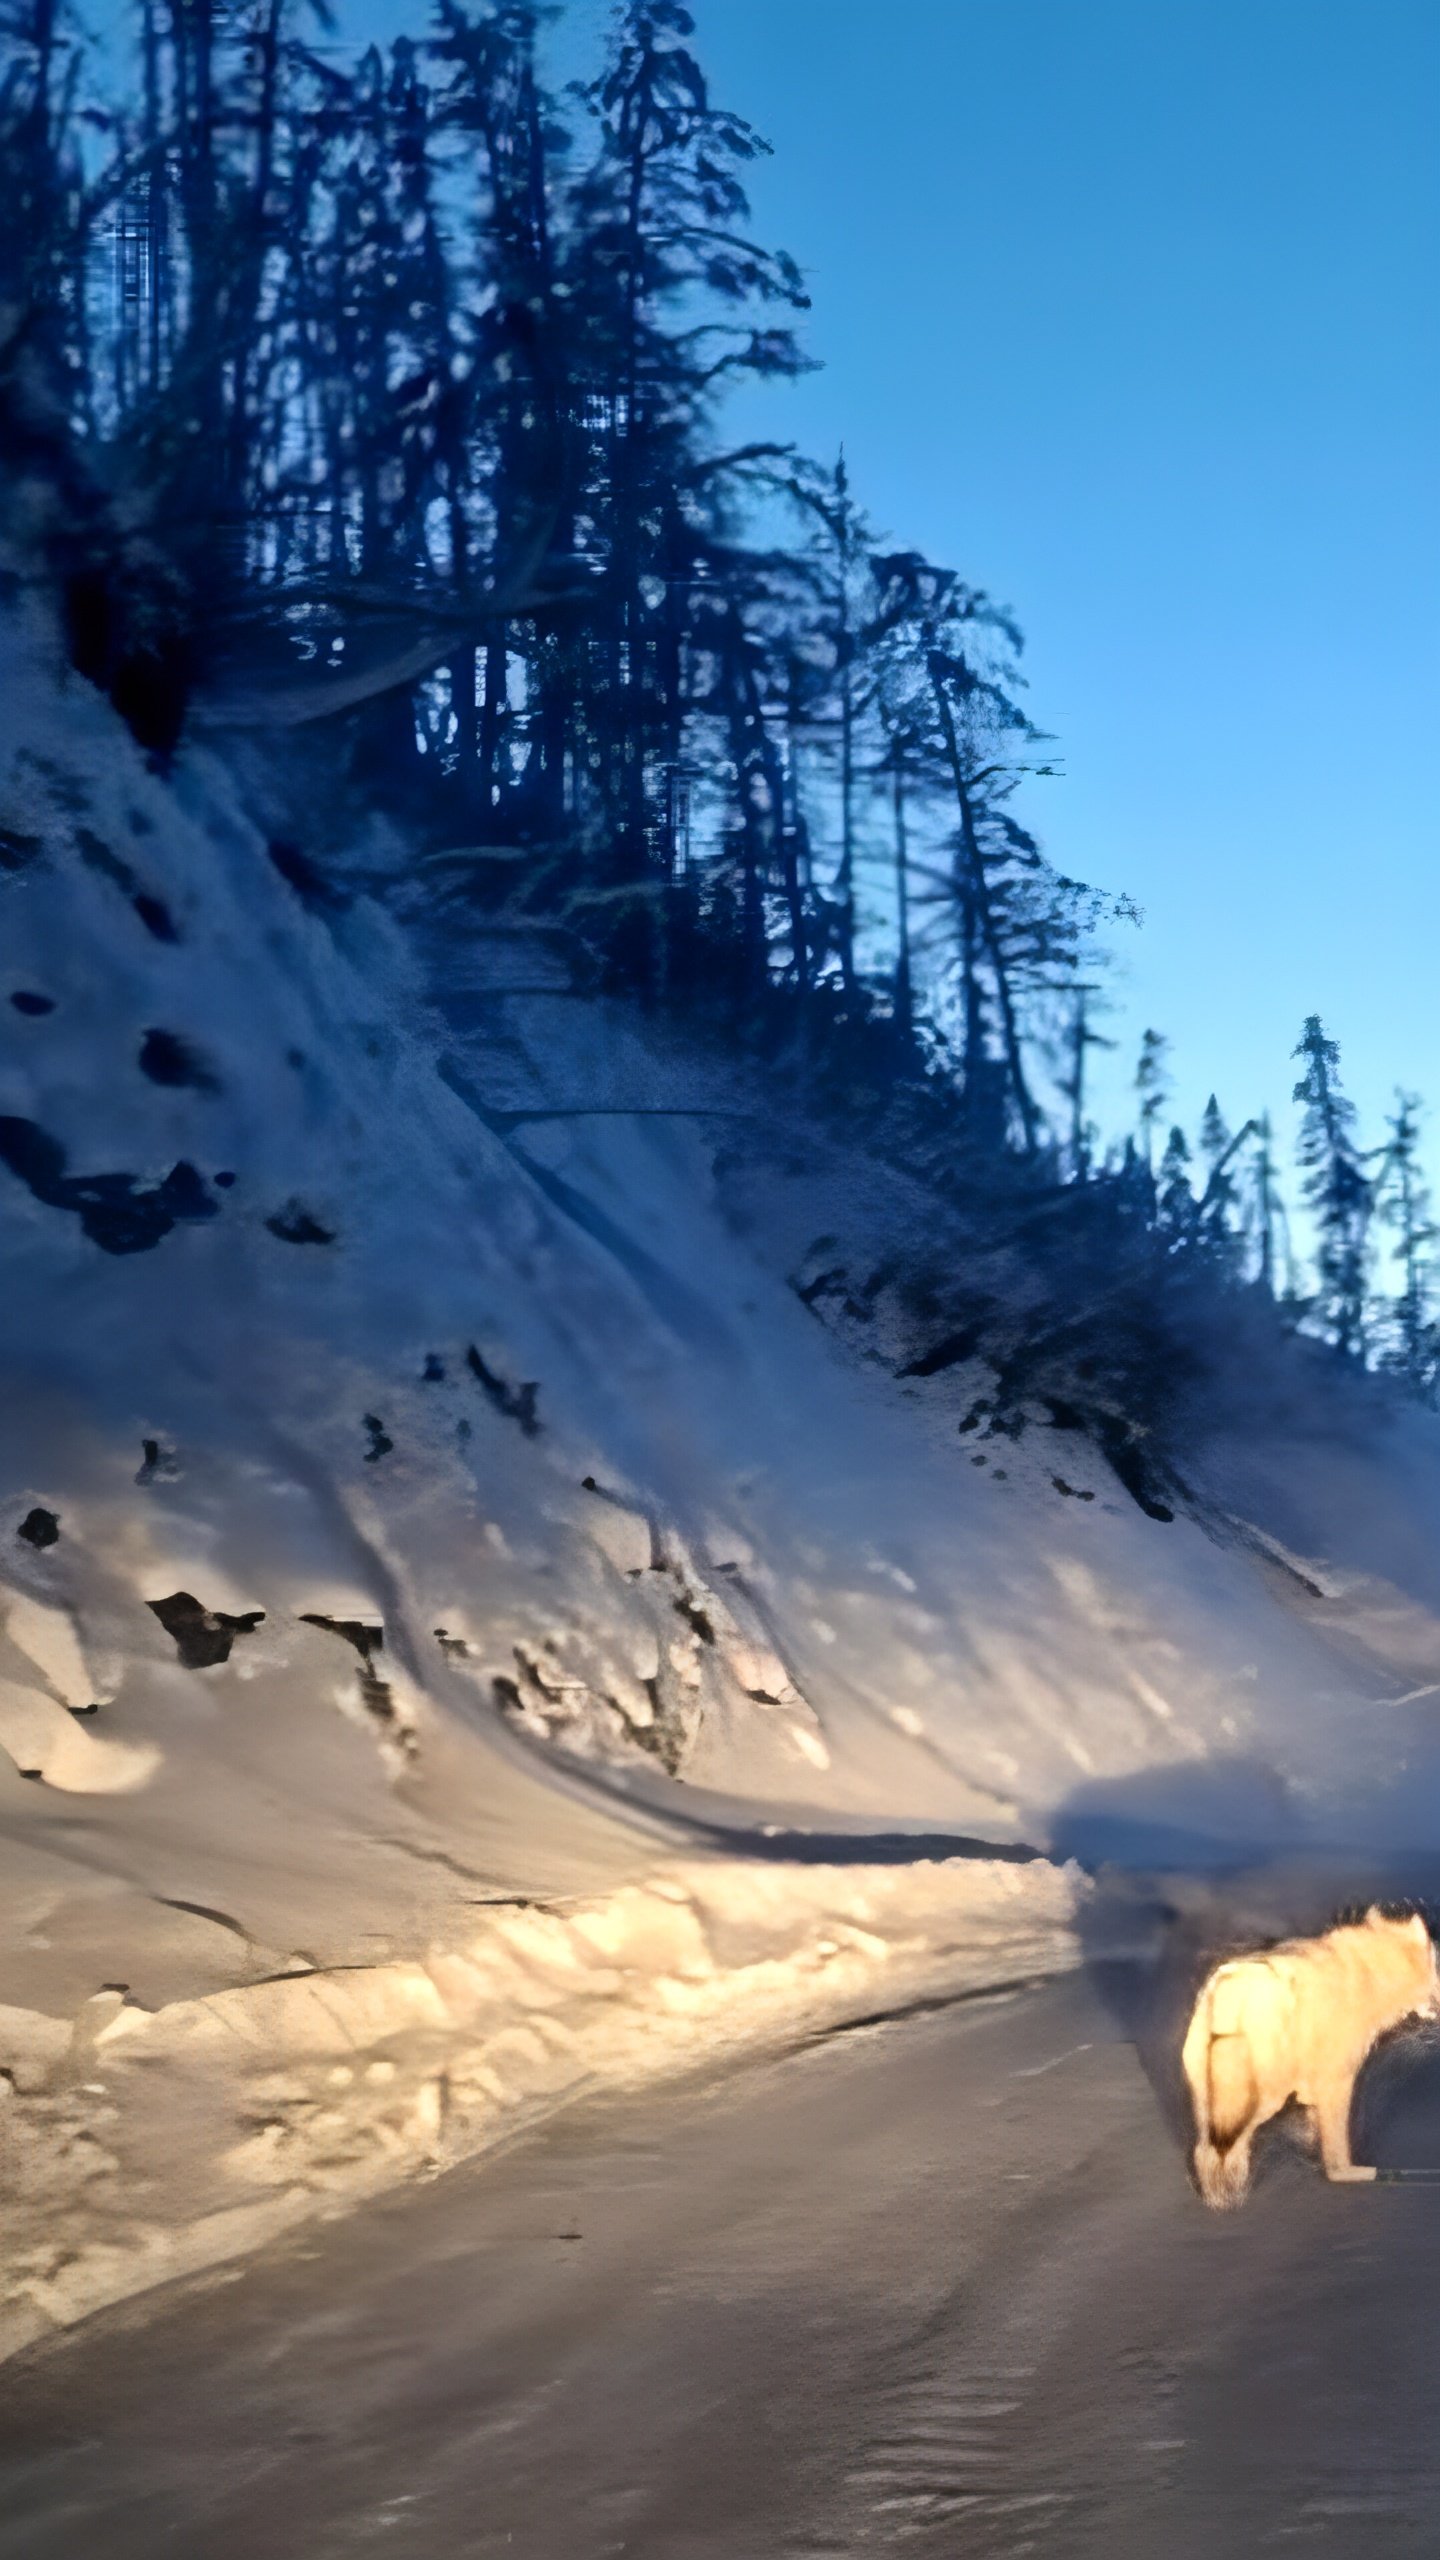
pixel 40 206
pixel 1080 1038
pixel 898 767
pixel 668 290
pixel 1219 1198
pixel 1214 1136
pixel 1175 1199
pixel 508 418
pixel 1336 1190
pixel 1152 1086
pixel 1265 1222
pixel 1403 1201
pixel 847 631
pixel 906 767
pixel 1018 927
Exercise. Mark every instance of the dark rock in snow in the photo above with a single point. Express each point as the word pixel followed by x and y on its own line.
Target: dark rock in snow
pixel 26 1000
pixel 103 858
pixel 203 1637
pixel 159 1464
pixel 39 1528
pixel 306 878
pixel 824 1285
pixel 155 916
pixel 958 1346
pixel 185 1192
pixel 1064 1416
pixel 294 1225
pixel 367 1640
pixel 1134 1468
pixel 433 1373
pixel 167 1059
pixel 116 1211
pixel 152 911
pixel 63 786
pixel 16 850
pixel 380 1442
pixel 516 1403
pixel 686 1606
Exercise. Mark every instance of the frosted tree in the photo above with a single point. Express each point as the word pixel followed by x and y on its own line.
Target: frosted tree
pixel 1019 931
pixel 672 301
pixel 1214 1136
pixel 1152 1087
pixel 1337 1191
pixel 1175 1199
pixel 1402 1201
pixel 1218 1211
pixel 1264 1211
pixel 1080 1038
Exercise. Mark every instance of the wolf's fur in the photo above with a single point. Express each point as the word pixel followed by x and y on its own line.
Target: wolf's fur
pixel 1297 2021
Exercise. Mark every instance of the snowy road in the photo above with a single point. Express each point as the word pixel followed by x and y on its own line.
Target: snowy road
pixel 936 2287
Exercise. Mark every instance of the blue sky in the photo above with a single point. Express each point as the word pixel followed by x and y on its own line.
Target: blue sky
pixel 1129 309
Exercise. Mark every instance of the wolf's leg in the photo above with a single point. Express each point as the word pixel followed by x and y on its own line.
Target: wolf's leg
pixel 1235 2167
pixel 1332 2116
pixel 1210 2178
pixel 1229 2111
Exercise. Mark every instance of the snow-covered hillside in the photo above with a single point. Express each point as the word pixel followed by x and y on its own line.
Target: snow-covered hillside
pixel 465 1612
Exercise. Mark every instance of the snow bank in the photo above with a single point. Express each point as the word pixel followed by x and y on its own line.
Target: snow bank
pixel 147 2145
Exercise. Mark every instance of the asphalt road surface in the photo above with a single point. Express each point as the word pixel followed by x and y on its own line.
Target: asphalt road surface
pixel 936 2287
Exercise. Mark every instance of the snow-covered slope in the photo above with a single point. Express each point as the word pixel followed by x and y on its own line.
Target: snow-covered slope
pixel 422 1489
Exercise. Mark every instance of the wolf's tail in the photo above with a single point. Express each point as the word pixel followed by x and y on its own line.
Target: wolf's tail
pixel 1220 2077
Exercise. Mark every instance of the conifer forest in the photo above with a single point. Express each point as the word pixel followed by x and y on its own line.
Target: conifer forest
pixel 379 396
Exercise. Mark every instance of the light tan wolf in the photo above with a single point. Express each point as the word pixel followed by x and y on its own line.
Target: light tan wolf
pixel 1297 2021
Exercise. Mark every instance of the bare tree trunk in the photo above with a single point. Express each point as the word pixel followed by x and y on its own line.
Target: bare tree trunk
pixel 904 984
pixel 846 881
pixel 157 286
pixel 978 928
pixel 243 318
